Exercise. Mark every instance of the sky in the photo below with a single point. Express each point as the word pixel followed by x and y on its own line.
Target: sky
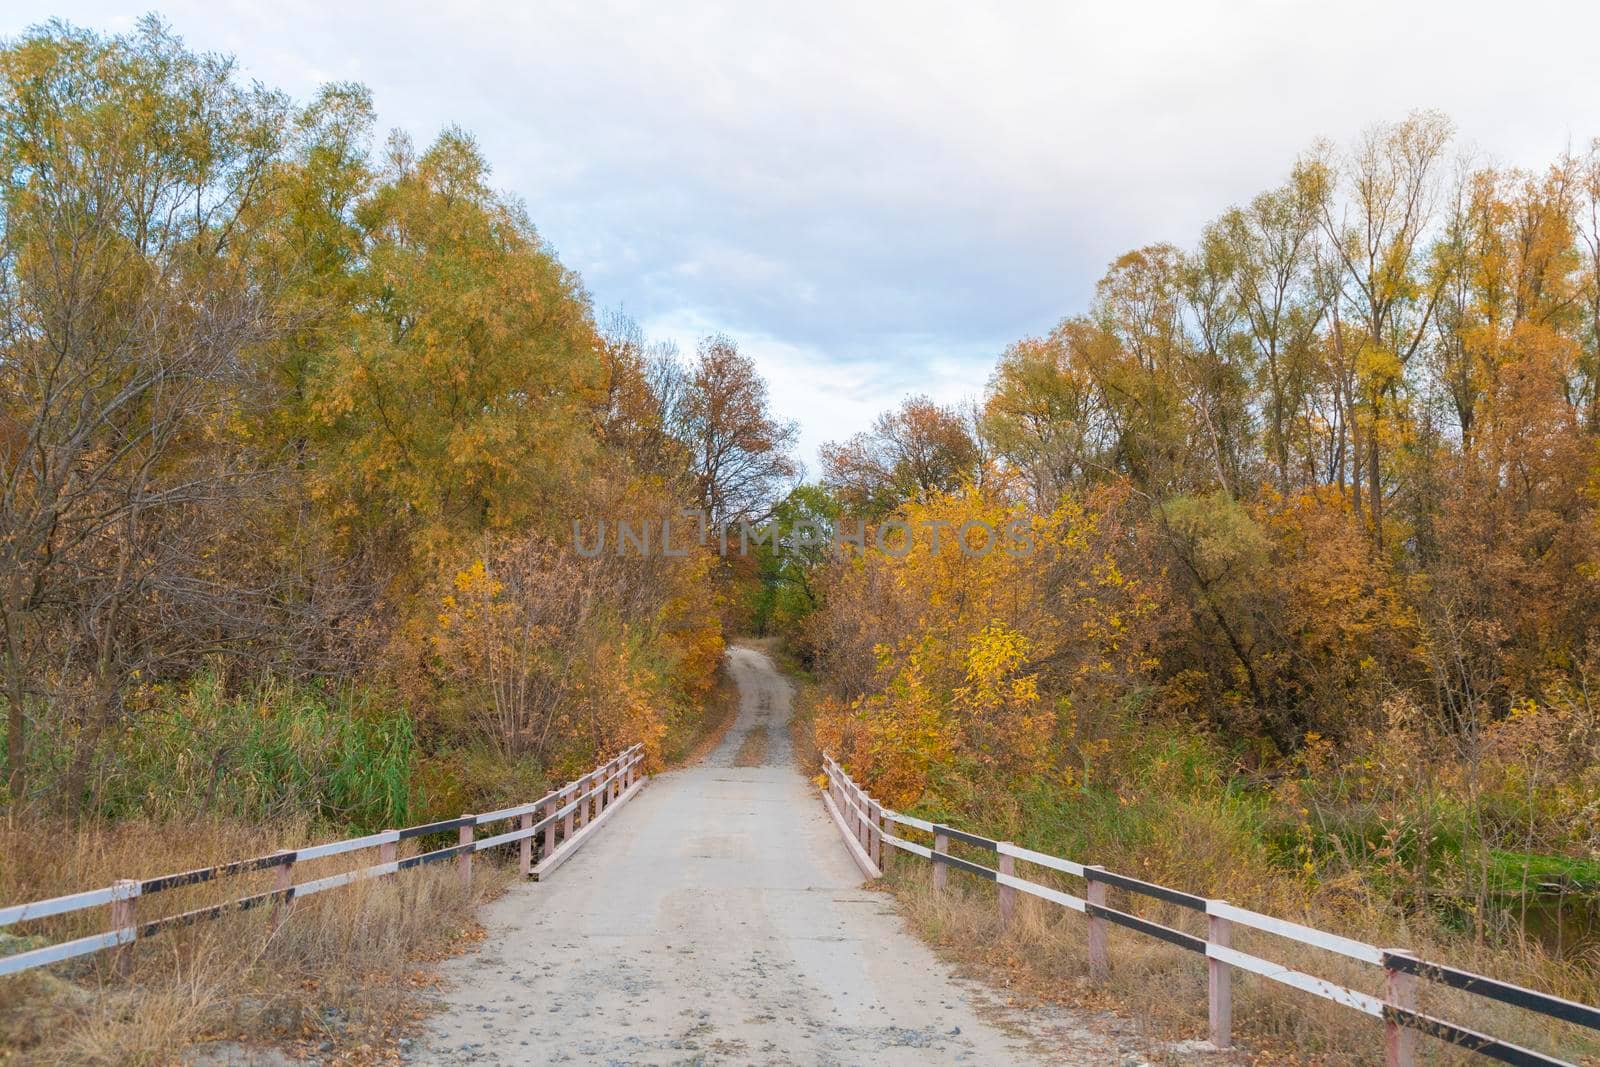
pixel 874 199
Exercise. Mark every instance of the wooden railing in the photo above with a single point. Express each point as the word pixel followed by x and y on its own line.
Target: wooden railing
pixel 565 818
pixel 866 824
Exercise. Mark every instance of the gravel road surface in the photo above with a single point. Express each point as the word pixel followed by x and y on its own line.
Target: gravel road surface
pixel 718 919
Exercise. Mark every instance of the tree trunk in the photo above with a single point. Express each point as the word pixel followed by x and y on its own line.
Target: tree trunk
pixel 16 712
pixel 16 736
pixel 1355 462
pixel 1375 473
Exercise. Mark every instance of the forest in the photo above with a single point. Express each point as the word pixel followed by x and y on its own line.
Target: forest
pixel 1311 615
pixel 297 422
pixel 293 429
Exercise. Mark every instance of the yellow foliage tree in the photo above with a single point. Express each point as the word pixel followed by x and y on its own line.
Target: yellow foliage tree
pixel 991 623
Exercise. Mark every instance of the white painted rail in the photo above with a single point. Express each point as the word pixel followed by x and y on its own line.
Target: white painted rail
pixel 864 823
pixel 569 816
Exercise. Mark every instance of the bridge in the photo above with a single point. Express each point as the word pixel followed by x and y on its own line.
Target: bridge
pixel 723 914
pixel 720 919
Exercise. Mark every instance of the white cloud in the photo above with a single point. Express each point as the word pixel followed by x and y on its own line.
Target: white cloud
pixel 876 198
pixel 832 397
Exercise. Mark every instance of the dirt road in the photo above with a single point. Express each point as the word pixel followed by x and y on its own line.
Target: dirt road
pixel 718 919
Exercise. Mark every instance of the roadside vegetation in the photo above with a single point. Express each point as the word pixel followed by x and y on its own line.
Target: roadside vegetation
pixel 345 978
pixel 1303 601
pixel 296 420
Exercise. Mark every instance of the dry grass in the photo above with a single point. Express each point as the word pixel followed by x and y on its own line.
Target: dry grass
pixel 722 708
pixel 1163 989
pixel 802 717
pixel 753 749
pixel 344 976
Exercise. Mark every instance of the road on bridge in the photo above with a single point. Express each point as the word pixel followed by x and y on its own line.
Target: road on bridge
pixel 718 919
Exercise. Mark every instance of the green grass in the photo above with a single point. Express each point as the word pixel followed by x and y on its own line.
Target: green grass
pixel 1164 807
pixel 342 757
pixel 1510 871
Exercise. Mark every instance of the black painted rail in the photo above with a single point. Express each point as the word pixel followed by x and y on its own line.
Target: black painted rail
pixel 566 817
pixel 866 825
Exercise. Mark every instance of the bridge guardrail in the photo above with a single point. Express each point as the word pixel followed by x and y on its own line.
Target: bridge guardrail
pixel 565 817
pixel 865 824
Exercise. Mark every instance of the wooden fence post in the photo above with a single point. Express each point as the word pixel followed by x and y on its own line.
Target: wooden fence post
pixel 1007 866
pixel 863 834
pixel 571 820
pixel 464 861
pixel 389 851
pixel 526 823
pixel 941 843
pixel 282 883
pixel 875 811
pixel 122 916
pixel 547 812
pixel 1219 976
pixel 1399 1042
pixel 1095 893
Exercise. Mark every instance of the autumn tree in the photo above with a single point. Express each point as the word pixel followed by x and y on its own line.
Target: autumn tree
pixel 1359 416
pixel 952 671
pixel 1291 615
pixel 546 652
pixel 740 452
pixel 263 396
pixel 1378 230
pixel 131 171
pixel 456 403
pixel 1042 414
pixel 1138 304
pixel 1282 295
pixel 643 389
pixel 911 452
pixel 1587 227
pixel 1216 366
